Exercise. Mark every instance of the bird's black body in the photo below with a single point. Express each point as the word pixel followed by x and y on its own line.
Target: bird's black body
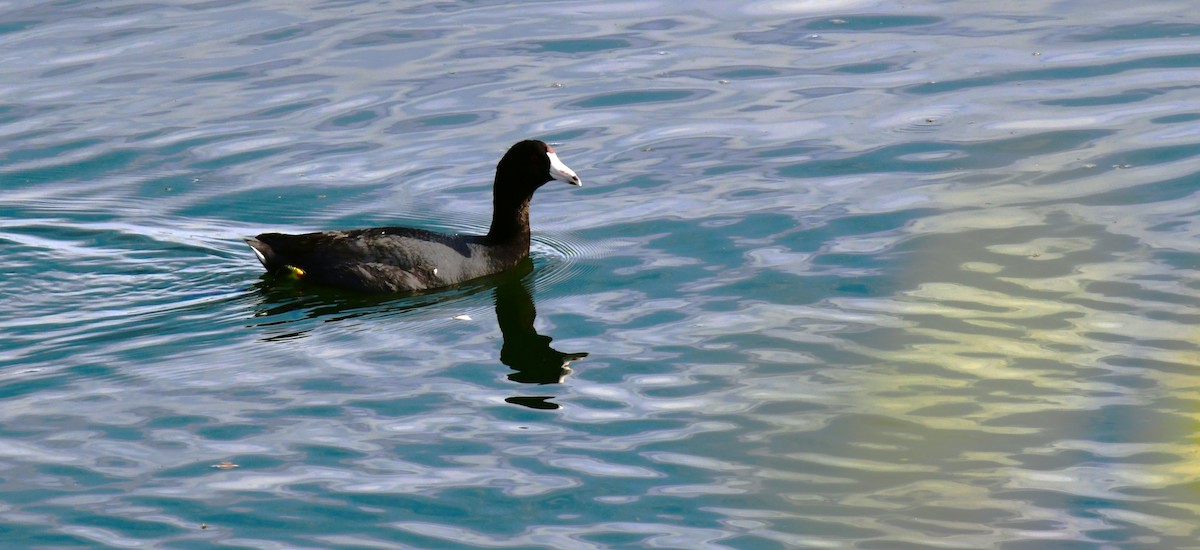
pixel 396 259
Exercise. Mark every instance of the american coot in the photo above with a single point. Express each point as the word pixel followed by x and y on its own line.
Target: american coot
pixel 394 259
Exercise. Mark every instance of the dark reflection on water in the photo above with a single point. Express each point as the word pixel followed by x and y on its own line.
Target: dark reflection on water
pixel 524 350
pixel 283 302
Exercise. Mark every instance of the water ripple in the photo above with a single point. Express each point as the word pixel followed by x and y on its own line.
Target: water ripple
pixel 931 283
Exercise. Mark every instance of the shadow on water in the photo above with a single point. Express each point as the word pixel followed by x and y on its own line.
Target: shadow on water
pixel 524 350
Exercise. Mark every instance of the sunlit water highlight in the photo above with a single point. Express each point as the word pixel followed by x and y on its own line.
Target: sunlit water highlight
pixel 842 274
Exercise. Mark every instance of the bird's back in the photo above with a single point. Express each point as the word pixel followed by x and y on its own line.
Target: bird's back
pixel 381 259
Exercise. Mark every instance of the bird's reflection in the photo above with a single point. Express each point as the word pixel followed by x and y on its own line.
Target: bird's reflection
pixel 526 352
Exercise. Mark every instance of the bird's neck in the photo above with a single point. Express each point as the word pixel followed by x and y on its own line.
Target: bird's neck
pixel 510 224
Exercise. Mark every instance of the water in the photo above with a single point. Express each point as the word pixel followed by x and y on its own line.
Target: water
pixel 846 274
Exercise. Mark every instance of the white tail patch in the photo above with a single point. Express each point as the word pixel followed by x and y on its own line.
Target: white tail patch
pixel 262 259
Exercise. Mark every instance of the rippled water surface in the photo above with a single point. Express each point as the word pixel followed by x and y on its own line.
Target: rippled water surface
pixel 842 274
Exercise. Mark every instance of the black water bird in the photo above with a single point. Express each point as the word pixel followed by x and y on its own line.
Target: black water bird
pixel 397 259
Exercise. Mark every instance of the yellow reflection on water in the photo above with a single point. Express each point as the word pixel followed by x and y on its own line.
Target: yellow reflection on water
pixel 1046 371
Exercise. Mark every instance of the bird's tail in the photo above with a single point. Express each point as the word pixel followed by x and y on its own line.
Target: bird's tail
pixel 266 256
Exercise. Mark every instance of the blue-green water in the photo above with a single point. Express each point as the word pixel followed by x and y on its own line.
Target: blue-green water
pixel 847 274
